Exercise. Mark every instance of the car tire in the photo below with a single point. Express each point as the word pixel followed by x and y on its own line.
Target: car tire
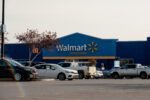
pixel 18 77
pixel 70 79
pixel 81 75
pixel 115 76
pixel 61 76
pixel 96 77
pixel 87 77
pixel 28 79
pixel 143 75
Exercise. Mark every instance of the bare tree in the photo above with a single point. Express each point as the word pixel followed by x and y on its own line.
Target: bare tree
pixel 36 41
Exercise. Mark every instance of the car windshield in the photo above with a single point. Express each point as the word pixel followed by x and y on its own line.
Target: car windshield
pixel 58 66
pixel 14 63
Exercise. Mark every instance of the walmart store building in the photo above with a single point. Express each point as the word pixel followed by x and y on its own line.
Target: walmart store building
pixel 78 46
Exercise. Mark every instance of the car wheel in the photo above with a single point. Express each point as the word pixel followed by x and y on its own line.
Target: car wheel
pixel 28 79
pixel 87 77
pixel 81 75
pixel 61 76
pixel 96 77
pixel 70 79
pixel 143 75
pixel 18 77
pixel 115 75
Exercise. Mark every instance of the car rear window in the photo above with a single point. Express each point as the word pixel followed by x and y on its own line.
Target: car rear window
pixel 85 64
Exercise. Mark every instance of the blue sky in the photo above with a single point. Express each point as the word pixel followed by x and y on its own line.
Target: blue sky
pixel 119 19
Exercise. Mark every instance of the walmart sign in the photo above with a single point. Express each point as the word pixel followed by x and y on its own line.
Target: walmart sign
pixel 71 47
pixel 92 47
pixel 80 45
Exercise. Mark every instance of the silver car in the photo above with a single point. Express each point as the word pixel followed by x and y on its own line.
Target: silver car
pixel 48 70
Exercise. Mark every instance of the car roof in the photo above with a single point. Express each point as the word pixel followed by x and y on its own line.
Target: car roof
pixel 46 64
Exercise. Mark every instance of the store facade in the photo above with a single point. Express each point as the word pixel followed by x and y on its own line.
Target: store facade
pixel 82 47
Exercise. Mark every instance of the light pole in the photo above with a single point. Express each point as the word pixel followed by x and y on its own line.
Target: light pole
pixel 2 28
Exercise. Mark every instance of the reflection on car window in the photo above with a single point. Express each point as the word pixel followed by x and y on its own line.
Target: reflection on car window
pixel 52 67
pixel 131 66
pixel 65 64
pixel 14 63
pixel 41 67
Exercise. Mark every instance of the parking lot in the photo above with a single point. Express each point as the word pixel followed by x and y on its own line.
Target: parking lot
pixel 92 89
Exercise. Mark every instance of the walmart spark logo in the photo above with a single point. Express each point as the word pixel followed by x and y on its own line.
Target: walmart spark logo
pixel 93 47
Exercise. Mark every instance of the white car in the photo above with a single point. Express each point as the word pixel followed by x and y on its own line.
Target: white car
pixel 48 70
pixel 99 74
pixel 85 69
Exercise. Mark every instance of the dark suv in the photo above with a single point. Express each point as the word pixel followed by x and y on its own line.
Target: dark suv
pixel 10 68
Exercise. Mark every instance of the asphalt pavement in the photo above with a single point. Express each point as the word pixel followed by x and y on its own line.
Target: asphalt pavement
pixel 92 89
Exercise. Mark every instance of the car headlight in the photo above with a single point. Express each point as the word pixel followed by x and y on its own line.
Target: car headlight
pixel 70 72
pixel 67 71
pixel 28 69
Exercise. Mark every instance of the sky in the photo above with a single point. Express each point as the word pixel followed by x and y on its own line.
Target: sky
pixel 126 20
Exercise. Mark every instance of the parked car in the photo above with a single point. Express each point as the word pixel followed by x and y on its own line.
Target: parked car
pixel 107 73
pixel 10 68
pixel 99 74
pixel 48 70
pixel 131 70
pixel 85 69
pixel 28 63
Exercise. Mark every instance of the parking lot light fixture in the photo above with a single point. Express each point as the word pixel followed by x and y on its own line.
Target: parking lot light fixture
pixel 2 28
